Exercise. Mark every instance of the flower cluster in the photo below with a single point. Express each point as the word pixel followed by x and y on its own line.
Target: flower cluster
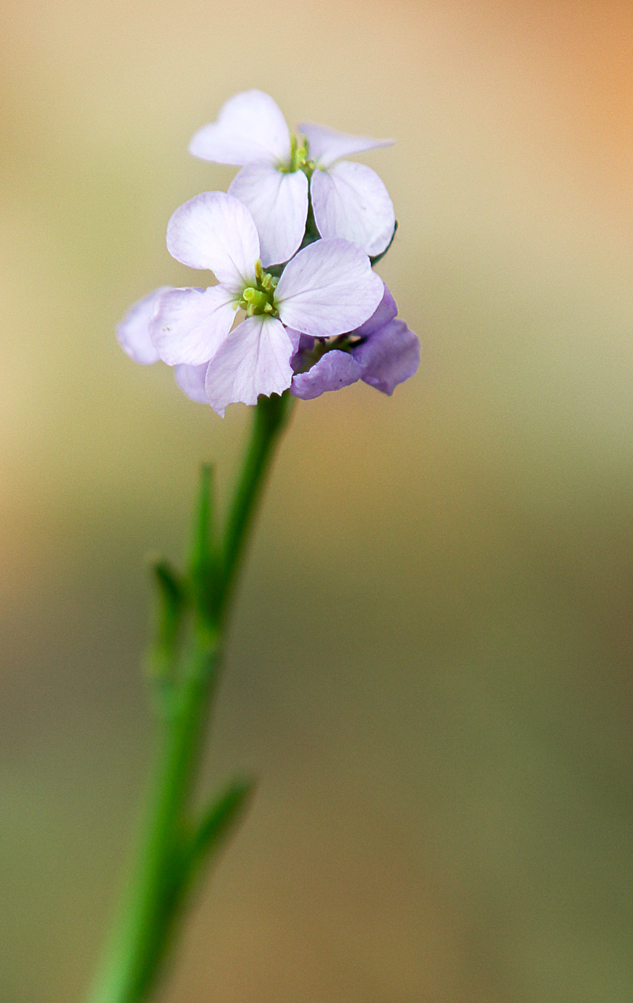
pixel 291 245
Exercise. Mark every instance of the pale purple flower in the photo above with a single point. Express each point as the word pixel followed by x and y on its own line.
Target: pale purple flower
pixel 326 289
pixel 383 352
pixel 348 199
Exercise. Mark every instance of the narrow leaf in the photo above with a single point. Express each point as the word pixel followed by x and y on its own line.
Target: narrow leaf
pixel 168 620
pixel 215 825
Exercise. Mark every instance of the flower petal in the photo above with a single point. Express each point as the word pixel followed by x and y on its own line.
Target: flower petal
pixel 215 231
pixel 278 202
pixel 190 379
pixel 385 312
pixel 389 357
pixel 254 359
pixel 298 340
pixel 190 324
pixel 327 145
pixel 351 201
pixel 333 371
pixel 250 126
pixel 328 288
pixel 303 358
pixel 133 331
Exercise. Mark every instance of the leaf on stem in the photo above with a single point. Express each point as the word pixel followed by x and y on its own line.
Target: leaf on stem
pixel 171 600
pixel 213 828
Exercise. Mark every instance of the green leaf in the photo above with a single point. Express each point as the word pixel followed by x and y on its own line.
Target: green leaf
pixel 214 827
pixel 170 604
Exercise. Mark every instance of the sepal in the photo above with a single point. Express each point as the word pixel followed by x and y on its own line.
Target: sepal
pixel 378 257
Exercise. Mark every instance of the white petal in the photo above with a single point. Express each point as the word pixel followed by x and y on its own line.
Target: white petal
pixel 250 126
pixel 327 145
pixel 190 324
pixel 254 359
pixel 278 202
pixel 190 379
pixel 215 231
pixel 133 331
pixel 351 201
pixel 328 288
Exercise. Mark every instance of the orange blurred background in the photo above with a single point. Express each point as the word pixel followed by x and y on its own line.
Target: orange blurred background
pixel 430 665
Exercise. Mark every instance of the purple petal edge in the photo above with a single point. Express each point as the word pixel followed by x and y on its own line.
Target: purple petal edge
pixel 388 357
pixel 333 371
pixel 384 312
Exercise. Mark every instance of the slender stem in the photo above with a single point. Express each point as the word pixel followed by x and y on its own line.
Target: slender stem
pixel 159 878
pixel 151 902
pixel 271 414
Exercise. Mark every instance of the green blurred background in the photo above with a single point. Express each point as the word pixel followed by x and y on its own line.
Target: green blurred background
pixel 430 666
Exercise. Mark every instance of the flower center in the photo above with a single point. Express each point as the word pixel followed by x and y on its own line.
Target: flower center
pixel 259 299
pixel 298 157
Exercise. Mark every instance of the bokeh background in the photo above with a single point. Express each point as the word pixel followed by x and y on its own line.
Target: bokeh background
pixel 431 663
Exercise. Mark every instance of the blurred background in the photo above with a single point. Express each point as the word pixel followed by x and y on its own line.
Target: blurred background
pixel 431 663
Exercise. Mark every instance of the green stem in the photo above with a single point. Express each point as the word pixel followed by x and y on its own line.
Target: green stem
pixel 162 876
pixel 271 415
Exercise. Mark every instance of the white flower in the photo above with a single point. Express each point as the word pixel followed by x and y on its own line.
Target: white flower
pixel 328 288
pixel 348 199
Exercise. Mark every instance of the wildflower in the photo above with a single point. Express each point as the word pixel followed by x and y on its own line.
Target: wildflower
pixel 326 289
pixel 348 199
pixel 382 352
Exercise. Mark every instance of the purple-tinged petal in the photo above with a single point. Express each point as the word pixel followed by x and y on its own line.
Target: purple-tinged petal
pixel 389 357
pixel 296 338
pixel 351 201
pixel 190 324
pixel 133 331
pixel 250 126
pixel 385 312
pixel 215 231
pixel 327 145
pixel 333 371
pixel 327 289
pixel 304 347
pixel 254 360
pixel 278 202
pixel 190 379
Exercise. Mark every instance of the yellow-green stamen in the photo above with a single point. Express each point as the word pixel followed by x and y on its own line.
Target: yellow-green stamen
pixel 298 157
pixel 259 299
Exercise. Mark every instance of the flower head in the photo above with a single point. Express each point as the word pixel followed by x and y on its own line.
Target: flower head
pixel 282 173
pixel 326 289
pixel 291 245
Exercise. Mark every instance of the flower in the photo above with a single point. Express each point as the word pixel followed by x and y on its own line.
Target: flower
pixel 382 352
pixel 327 288
pixel 348 199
